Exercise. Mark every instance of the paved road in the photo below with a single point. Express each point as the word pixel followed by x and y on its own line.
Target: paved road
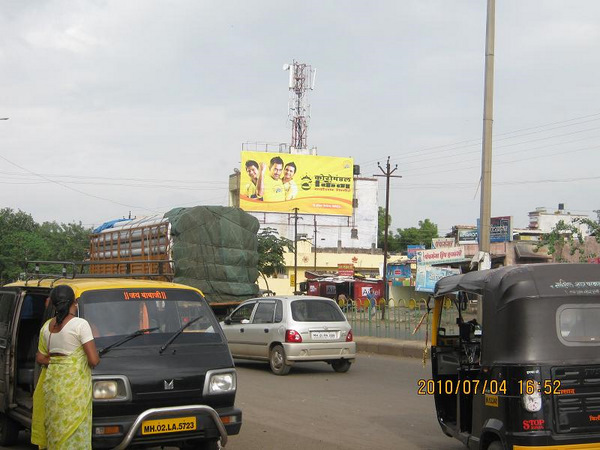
pixel 373 406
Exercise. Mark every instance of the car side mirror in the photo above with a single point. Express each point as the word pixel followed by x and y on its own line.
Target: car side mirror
pixel 227 321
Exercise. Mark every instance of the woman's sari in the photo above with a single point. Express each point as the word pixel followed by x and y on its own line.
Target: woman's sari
pixel 62 402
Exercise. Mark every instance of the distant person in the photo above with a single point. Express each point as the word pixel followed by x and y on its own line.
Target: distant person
pixel 252 170
pixel 270 186
pixel 289 185
pixel 62 401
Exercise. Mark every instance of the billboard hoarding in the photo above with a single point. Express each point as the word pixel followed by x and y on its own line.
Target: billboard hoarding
pixel 411 250
pixel 281 182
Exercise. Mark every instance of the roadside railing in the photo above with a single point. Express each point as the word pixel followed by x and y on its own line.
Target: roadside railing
pixel 401 319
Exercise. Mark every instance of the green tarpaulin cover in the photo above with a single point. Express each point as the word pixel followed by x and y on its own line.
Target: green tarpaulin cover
pixel 215 250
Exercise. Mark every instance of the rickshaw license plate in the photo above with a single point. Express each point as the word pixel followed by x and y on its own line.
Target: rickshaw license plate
pixel 325 335
pixel 168 425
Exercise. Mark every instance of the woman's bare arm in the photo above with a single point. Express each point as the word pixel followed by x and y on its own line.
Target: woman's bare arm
pixel 42 359
pixel 92 354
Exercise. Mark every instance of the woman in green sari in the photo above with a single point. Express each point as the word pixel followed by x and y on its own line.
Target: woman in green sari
pixel 62 401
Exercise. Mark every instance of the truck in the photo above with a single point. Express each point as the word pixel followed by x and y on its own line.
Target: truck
pixel 211 248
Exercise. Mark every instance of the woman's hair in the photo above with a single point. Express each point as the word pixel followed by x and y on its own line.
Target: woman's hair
pixel 62 298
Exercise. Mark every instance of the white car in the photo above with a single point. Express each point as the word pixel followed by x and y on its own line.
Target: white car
pixel 286 330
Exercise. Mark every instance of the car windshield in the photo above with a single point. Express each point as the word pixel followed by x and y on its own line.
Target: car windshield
pixel 115 313
pixel 316 311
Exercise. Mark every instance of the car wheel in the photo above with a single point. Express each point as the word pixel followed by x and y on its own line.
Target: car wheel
pixel 9 430
pixel 496 445
pixel 277 361
pixel 341 365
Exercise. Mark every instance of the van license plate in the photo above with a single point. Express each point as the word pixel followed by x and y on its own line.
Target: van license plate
pixel 168 425
pixel 324 335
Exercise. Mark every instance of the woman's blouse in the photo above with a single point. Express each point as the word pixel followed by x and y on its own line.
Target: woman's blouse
pixel 74 334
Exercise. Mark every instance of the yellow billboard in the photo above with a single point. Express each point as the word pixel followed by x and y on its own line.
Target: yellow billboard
pixel 280 182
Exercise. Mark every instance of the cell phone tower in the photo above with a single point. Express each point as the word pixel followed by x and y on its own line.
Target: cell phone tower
pixel 302 79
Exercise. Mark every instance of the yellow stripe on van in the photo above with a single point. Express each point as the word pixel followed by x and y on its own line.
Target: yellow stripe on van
pixel 590 446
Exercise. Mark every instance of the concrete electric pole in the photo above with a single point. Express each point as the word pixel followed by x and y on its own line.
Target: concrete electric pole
pixel 387 173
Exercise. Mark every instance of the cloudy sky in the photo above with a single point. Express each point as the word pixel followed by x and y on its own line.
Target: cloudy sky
pixel 142 105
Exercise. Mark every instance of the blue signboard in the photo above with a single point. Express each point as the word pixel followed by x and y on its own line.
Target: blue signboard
pixel 411 250
pixel 427 276
pixel 500 229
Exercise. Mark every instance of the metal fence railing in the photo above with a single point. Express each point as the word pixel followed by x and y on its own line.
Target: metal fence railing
pixel 401 319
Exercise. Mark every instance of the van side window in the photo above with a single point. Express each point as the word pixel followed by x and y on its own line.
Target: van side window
pixel 264 312
pixel 7 304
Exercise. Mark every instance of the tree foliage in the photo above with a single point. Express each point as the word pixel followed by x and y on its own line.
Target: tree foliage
pixel 569 236
pixel 414 236
pixel 22 238
pixel 271 248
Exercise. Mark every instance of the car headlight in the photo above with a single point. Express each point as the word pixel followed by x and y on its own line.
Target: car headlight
pixel 220 382
pixel 110 388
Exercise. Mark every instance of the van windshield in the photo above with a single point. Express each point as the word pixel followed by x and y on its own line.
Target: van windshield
pixel 115 313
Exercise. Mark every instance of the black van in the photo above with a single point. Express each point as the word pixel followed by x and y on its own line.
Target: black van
pixel 525 374
pixel 165 364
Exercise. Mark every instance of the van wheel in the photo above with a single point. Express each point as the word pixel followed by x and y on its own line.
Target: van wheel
pixel 9 430
pixel 341 365
pixel 496 445
pixel 277 361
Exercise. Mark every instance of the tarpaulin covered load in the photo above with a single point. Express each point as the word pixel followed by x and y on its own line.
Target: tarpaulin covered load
pixel 214 249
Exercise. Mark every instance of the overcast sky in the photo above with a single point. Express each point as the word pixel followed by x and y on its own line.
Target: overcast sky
pixel 142 106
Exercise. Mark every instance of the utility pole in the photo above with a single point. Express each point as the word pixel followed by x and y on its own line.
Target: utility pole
pixel 387 173
pixel 295 249
pixel 315 246
pixel 488 114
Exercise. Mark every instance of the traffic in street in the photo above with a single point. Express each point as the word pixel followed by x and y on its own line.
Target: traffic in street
pixel 373 406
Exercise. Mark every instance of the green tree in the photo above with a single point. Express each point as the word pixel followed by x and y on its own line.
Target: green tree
pixel 271 248
pixel 21 239
pixel 568 235
pixel 415 236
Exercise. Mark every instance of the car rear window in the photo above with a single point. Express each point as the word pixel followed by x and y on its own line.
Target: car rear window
pixel 579 324
pixel 316 311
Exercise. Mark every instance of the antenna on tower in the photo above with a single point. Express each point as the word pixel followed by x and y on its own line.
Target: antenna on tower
pixel 302 79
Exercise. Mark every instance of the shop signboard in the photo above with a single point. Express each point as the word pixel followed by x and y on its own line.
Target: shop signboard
pixel 467 236
pixel 442 242
pixel 411 250
pixel 399 274
pixel 440 256
pixel 346 270
pixel 427 276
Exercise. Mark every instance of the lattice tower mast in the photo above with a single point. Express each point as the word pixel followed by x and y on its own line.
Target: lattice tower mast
pixel 302 79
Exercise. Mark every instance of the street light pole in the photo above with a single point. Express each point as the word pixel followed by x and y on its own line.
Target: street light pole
pixel 315 217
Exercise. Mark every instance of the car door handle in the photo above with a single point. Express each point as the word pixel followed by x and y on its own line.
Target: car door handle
pixel 241 330
pixel 266 330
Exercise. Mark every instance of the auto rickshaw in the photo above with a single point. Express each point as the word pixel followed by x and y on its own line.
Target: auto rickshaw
pixel 525 373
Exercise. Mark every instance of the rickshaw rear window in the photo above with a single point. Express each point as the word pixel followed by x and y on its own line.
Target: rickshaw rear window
pixel 579 324
pixel 115 313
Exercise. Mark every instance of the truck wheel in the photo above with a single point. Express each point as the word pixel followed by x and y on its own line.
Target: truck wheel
pixel 341 365
pixel 496 445
pixel 9 430
pixel 277 361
